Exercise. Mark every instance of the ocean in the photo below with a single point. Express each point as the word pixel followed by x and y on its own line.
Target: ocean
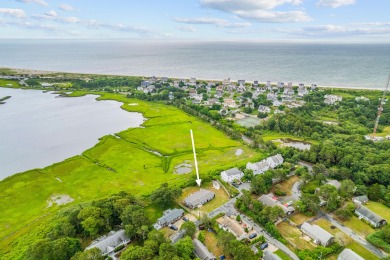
pixel 338 65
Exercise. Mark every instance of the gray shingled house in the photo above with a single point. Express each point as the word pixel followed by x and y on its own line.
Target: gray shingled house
pixel 271 201
pixel 201 251
pixel 199 198
pixel 169 216
pixel 361 200
pixel 319 235
pixel 348 254
pixel 373 218
pixel 108 243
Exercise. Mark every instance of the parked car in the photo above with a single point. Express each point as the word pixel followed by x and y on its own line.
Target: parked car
pixel 264 246
pixel 173 227
pixel 290 203
pixel 235 185
pixel 185 219
pixel 253 235
pixel 222 257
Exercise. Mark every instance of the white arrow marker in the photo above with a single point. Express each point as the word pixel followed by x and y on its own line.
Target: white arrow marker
pixel 198 181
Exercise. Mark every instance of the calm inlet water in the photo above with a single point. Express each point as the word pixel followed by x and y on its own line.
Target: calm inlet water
pixel 347 65
pixel 38 129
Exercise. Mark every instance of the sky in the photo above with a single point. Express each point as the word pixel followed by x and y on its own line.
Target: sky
pixel 198 20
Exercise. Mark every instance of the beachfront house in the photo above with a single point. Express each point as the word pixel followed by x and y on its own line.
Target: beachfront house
pixel 258 167
pixel 201 251
pixel 302 91
pixel 272 96
pixel 360 200
pixel 241 82
pixel 280 84
pixel 371 217
pixel 226 81
pixel 231 175
pixel 313 87
pixel 199 198
pixel 348 254
pixel 255 84
pixel 264 109
pixel 233 227
pixel 268 255
pixel 108 243
pixel 318 234
pixel 271 201
pixel 170 216
pixel 275 161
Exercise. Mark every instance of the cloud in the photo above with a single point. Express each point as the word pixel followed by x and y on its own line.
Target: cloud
pixel 331 30
pixel 67 7
pixel 40 2
pixel 246 5
pixel 18 13
pixel 213 21
pixel 186 28
pixel 274 17
pixel 335 3
pixel 53 16
pixel 259 10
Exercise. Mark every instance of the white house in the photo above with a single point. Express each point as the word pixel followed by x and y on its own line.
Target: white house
pixel 108 243
pixel 231 175
pixel 264 109
pixel 319 235
pixel 332 99
pixel 258 167
pixel 229 102
pixel 275 160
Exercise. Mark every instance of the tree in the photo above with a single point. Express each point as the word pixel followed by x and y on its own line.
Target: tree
pixel 309 203
pixel 165 195
pixel 138 253
pixel 61 249
pixel 238 218
pixel 326 190
pixel 92 220
pixel 185 248
pixel 258 185
pixel 375 192
pixel 167 251
pixel 347 188
pixel 90 254
pixel 189 227
pixel 343 213
pixel 333 201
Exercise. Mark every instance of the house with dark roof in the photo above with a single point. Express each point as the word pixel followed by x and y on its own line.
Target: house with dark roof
pixel 201 251
pixel 268 255
pixel 318 234
pixel 348 254
pixel 108 243
pixel 271 201
pixel 232 174
pixel 360 200
pixel 170 216
pixel 199 198
pixel 371 217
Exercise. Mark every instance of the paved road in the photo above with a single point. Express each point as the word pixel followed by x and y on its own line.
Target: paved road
pixel 228 208
pixel 355 236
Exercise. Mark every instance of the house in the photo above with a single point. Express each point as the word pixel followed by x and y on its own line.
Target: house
pixel 170 216
pixel 348 254
pixel 192 81
pixel 171 96
pixel 241 89
pixel 288 91
pixel 201 251
pixel 272 96
pixel 374 219
pixel 258 167
pixel 107 244
pixel 360 200
pixel 226 81
pixel 192 93
pixel 268 85
pixel 268 255
pixel 233 227
pixel 271 201
pixel 332 99
pixel 229 102
pixel 164 79
pixel 313 87
pixel 334 183
pixel 319 235
pixel 231 175
pixel 264 109
pixel 277 103
pixel 255 84
pixel 280 85
pixel 358 99
pixel 241 82
pixel 199 198
pixel 302 91
pixel 275 160
pixel 177 236
pixel 145 83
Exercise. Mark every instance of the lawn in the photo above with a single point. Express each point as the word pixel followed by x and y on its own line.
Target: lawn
pixel 9 83
pixel 211 243
pixel 269 135
pixel 220 198
pixel 286 186
pixel 358 226
pixel 299 218
pixel 122 163
pixel 282 255
pixel 385 131
pixel 294 236
pixel 379 209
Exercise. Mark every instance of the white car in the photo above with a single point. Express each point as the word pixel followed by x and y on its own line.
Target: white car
pixel 290 203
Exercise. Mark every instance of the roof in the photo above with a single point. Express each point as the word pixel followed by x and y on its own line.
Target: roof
pixel 232 172
pixel 177 236
pixel 199 197
pixel 201 251
pixel 108 243
pixel 278 159
pixel 369 214
pixel 348 254
pixel 233 226
pixel 362 199
pixel 334 183
pixel 317 233
pixel 257 165
pixel 170 215
pixel 270 200
pixel 268 255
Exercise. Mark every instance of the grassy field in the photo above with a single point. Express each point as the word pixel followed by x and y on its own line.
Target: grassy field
pixel 286 186
pixel 346 240
pixel 385 131
pixel 122 163
pixel 294 236
pixel 299 218
pixel 379 209
pixel 211 243
pixel 358 226
pixel 9 83
pixel 269 136
pixel 282 255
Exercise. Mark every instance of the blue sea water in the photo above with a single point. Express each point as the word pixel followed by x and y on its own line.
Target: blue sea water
pixel 345 65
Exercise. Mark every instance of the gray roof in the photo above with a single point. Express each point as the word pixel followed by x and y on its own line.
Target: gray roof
pixel 268 255
pixel 362 199
pixel 369 214
pixel 177 236
pixel 232 172
pixel 198 198
pixel 278 159
pixel 169 216
pixel 108 243
pixel 317 233
pixel 334 183
pixel 348 254
pixel 270 201
pixel 201 251
pixel 257 165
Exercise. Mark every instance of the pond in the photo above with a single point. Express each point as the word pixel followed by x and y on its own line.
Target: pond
pixel 287 142
pixel 39 129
